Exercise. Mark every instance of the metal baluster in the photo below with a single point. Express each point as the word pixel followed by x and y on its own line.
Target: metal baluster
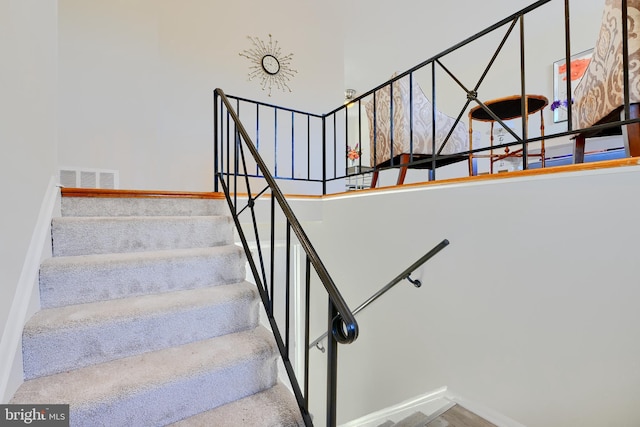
pixel 273 251
pixel 332 368
pixel 307 309
pixel 215 142
pixel 257 134
pixel 308 147
pixel 287 303
pixel 293 149
pixel 524 100
pixel 275 142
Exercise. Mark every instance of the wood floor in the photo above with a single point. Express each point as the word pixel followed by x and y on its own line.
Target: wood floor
pixel 457 416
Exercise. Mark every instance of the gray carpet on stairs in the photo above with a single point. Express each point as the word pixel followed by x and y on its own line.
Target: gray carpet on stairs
pixel 63 338
pixel 108 235
pixel 89 278
pixel 147 321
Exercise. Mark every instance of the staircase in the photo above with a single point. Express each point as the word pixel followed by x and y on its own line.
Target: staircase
pixel 146 319
pixel 450 416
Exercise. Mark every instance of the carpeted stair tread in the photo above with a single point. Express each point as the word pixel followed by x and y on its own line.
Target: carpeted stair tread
pixel 164 386
pixel 58 339
pixel 275 407
pixel 147 206
pixel 102 235
pixel 87 278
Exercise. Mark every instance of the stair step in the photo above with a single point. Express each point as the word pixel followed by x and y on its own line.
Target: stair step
pixel 90 278
pixel 146 319
pixel 417 419
pixel 163 386
pixel 102 235
pixel 59 339
pixel 145 206
pixel 275 407
pixel 458 416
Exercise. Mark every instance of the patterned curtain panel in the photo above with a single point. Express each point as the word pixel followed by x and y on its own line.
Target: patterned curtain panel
pixel 422 124
pixel 601 90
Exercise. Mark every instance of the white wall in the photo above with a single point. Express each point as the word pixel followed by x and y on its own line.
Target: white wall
pixel 530 311
pixel 137 79
pixel 28 76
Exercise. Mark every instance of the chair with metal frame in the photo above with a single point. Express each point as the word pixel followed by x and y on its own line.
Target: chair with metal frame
pixel 405 138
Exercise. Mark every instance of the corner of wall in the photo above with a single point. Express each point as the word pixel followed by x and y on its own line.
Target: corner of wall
pixel 26 300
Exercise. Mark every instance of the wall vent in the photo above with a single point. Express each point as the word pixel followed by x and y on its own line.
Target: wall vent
pixel 89 178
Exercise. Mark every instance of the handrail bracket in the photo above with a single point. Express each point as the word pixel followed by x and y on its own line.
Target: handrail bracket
pixel 415 282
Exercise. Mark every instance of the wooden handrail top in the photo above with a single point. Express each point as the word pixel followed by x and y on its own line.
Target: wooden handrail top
pixel 108 193
pixel 605 164
pixel 94 192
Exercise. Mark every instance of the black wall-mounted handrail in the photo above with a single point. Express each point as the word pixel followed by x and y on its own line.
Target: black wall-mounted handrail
pixel 406 274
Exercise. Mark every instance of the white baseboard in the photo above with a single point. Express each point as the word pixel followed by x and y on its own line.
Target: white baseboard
pixel 26 299
pixel 434 399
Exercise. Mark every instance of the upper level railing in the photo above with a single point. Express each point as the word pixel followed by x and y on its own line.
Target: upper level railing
pixel 394 118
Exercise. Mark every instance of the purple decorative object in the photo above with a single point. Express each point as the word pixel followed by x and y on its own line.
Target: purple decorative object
pixel 557 104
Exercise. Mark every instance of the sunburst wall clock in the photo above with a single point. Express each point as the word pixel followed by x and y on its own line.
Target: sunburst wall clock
pixel 269 65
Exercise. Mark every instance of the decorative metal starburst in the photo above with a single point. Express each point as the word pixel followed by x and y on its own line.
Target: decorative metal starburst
pixel 269 65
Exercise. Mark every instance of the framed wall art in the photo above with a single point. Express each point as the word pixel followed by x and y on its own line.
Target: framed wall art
pixel 579 64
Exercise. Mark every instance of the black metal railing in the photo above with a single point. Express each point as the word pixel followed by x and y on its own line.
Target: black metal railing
pixel 312 148
pixel 232 143
pixel 264 219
